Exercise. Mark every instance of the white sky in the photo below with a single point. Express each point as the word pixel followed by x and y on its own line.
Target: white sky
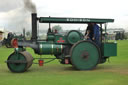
pixel 14 17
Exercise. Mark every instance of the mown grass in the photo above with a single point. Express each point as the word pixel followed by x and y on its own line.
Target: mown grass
pixel 114 72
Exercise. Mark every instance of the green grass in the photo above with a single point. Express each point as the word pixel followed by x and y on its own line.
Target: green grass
pixel 114 72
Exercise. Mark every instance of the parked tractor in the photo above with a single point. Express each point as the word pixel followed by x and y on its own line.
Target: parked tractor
pixel 70 48
pixel 7 41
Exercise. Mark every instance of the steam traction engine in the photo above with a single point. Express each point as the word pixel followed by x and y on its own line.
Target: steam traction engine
pixel 69 49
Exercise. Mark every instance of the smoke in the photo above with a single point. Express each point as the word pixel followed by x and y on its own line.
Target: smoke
pixel 29 6
pixel 20 17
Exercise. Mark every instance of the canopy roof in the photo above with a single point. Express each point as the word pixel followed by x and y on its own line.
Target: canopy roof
pixel 73 20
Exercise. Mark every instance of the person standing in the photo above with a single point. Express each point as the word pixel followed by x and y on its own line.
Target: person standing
pixel 96 37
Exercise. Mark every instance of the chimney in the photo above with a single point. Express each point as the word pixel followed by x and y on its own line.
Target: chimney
pixel 34 27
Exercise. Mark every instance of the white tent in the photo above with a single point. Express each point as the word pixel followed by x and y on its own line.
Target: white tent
pixel 3 34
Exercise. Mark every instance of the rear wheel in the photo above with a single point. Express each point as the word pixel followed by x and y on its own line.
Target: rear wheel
pixel 85 55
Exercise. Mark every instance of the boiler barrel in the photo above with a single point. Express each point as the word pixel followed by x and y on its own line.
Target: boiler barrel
pixel 49 49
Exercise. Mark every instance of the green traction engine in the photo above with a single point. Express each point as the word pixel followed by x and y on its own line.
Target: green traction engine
pixel 70 48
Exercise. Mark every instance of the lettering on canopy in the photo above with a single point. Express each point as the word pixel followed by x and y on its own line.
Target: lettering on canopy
pixel 78 19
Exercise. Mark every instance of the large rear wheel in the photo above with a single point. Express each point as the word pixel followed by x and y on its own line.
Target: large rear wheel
pixel 85 55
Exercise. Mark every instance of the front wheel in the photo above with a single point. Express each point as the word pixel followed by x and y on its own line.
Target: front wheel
pixel 19 62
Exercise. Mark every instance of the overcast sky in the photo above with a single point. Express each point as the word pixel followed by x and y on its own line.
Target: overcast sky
pixel 13 16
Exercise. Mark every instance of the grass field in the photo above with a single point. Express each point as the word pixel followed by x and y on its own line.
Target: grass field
pixel 114 72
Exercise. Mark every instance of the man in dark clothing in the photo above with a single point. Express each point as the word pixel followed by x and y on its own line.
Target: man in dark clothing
pixel 93 33
pixel 96 34
pixel 89 32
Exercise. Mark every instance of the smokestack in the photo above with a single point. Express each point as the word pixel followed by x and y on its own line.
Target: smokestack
pixel 34 27
pixel 30 6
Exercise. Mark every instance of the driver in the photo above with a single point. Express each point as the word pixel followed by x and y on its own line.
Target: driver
pixel 89 32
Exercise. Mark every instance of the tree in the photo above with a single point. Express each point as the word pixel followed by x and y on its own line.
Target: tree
pixel 57 27
pixel 28 35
